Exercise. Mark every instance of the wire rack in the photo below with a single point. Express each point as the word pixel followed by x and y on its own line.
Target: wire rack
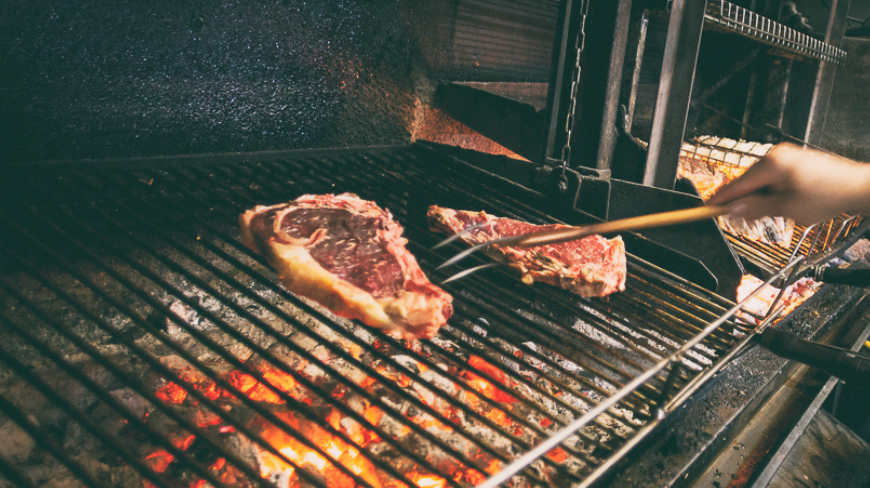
pixel 727 17
pixel 732 158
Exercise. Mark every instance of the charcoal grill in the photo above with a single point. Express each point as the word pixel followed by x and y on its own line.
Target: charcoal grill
pixel 95 259
pixel 143 345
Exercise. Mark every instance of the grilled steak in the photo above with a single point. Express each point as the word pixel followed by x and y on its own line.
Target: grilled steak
pixel 591 267
pixel 348 255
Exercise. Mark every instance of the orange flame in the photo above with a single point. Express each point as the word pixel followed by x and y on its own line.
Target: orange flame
pixel 427 480
pixel 339 451
pixel 487 389
pixel 257 391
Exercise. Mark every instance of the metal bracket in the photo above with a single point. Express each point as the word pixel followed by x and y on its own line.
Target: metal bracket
pixel 586 190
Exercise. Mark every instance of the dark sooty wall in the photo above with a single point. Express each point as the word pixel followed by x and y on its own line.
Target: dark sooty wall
pixel 103 78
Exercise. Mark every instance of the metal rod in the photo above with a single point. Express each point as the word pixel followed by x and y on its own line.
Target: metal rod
pixel 676 366
pixel 129 417
pixel 143 355
pixel 581 422
pixel 683 41
pixel 48 444
pixel 97 432
pixel 420 404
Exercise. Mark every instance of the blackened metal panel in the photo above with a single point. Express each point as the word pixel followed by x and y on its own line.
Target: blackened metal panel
pixel 502 40
pixel 827 71
pixel 105 79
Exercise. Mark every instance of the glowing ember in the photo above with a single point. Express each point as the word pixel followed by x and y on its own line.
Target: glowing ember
pixel 183 443
pixel 487 389
pixel 427 480
pixel 400 379
pixel 339 452
pixel 499 417
pixel 478 363
pixel 172 393
pixel 159 461
pixel 558 454
pixel 257 391
pixel 474 477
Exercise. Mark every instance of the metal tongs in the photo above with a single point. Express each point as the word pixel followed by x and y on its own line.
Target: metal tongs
pixel 567 234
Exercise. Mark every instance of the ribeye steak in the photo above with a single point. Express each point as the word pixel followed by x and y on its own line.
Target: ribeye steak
pixel 591 267
pixel 349 255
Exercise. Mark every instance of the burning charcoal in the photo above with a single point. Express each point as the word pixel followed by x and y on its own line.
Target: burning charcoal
pixel 16 445
pixel 340 454
pixel 410 363
pixel 134 402
pixel 76 440
pixel 186 314
pixel 125 477
pixel 68 481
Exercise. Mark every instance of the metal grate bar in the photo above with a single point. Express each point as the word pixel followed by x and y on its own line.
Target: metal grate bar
pixel 69 370
pixel 266 327
pixel 169 234
pixel 13 475
pixel 166 372
pixel 483 419
pixel 57 451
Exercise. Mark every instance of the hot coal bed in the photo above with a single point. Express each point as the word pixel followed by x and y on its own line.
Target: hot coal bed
pixel 143 345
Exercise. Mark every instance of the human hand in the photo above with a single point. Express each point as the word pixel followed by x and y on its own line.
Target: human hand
pixel 804 184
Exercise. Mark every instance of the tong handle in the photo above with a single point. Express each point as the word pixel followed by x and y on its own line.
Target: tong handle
pixel 839 363
pixel 663 219
pixel 852 277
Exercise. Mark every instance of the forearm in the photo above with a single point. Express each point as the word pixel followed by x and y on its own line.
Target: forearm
pixel 856 191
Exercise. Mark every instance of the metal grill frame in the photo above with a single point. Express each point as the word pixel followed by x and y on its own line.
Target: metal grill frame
pixel 650 386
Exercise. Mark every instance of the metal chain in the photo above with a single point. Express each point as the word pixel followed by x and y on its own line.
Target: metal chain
pixel 570 119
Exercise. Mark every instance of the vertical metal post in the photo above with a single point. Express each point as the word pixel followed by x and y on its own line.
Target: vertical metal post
pixel 824 85
pixel 637 40
pixel 593 141
pixel 675 90
pixel 750 99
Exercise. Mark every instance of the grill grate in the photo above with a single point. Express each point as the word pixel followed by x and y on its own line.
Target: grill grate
pixel 133 281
